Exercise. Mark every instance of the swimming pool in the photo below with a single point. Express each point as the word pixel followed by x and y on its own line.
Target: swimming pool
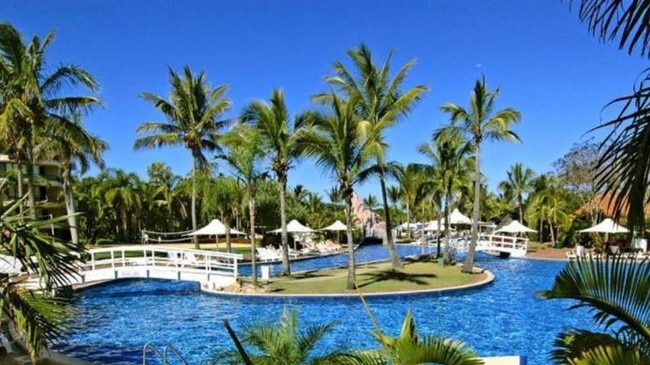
pixel 505 318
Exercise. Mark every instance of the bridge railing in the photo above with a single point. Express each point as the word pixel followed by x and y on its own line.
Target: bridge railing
pixel 186 259
pixel 503 241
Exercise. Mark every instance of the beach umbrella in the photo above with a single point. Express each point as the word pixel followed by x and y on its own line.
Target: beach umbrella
pixel 434 226
pixel 214 228
pixel 515 227
pixel 294 227
pixel 456 217
pixel 337 226
pixel 606 226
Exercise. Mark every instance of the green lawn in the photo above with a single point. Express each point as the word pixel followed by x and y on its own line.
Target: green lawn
pixel 375 278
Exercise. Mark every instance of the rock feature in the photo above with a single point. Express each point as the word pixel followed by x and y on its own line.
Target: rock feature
pixel 367 220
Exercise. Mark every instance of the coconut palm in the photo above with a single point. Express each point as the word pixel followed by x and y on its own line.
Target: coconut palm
pixel 193 111
pixel 343 145
pixel 75 149
pixel 481 123
pixel 37 315
pixel 411 348
pixel 519 182
pixel 244 158
pixel 224 196
pixel 625 160
pixel 32 103
pixel 279 138
pixel 449 154
pixel 381 101
pixel 615 292
pixel 286 343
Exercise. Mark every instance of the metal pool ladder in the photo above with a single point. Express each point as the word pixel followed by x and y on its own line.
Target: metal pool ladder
pixel 161 354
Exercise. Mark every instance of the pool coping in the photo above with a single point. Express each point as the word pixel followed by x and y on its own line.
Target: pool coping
pixel 447 290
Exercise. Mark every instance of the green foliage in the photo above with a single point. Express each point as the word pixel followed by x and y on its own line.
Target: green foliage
pixel 410 348
pixel 617 294
pixel 37 314
pixel 285 343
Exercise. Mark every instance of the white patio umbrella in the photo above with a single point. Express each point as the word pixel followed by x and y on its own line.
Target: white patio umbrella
pixel 294 227
pixel 515 227
pixel 434 226
pixel 214 228
pixel 456 217
pixel 606 226
pixel 337 226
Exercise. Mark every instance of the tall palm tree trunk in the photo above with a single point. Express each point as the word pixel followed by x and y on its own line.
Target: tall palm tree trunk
pixel 394 258
pixel 520 200
pixel 286 269
pixel 69 206
pixel 251 210
pixel 447 253
pixel 352 274
pixel 195 238
pixel 468 266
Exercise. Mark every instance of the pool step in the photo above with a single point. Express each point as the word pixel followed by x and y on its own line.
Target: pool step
pixel 505 360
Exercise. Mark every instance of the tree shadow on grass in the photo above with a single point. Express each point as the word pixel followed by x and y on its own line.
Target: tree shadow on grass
pixel 389 275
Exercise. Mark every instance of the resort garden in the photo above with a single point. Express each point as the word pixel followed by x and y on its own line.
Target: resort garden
pixel 42 111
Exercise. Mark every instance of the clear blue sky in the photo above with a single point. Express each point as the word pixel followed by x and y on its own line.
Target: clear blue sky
pixel 538 53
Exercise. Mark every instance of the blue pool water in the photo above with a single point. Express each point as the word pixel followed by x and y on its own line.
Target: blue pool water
pixel 113 322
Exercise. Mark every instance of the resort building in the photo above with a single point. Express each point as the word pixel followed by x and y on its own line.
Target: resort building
pixel 48 184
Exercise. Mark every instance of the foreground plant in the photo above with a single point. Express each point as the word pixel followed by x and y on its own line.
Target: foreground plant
pixel 37 314
pixel 285 342
pixel 617 293
pixel 410 348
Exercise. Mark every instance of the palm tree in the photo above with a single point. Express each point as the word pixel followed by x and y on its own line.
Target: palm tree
pixel 74 148
pixel 36 314
pixel 32 104
pixel 343 145
pixel 411 348
pixel 449 155
pixel 625 160
pixel 519 182
pixel 380 101
pixel 224 195
pixel 279 138
pixel 615 292
pixel 286 343
pixel 244 158
pixel 481 123
pixel 192 112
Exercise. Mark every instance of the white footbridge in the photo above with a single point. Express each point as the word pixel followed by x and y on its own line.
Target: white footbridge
pixel 212 269
pixel 501 245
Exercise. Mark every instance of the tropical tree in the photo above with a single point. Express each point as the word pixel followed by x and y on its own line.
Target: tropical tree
pixel 412 348
pixel 244 158
pixel 615 293
pixel 75 149
pixel 576 171
pixel 343 145
pixel 192 111
pixel 37 314
pixel 481 123
pixel 449 154
pixel 382 101
pixel 224 195
pixel 285 343
pixel 32 103
pixel 279 136
pixel 624 160
pixel 518 183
